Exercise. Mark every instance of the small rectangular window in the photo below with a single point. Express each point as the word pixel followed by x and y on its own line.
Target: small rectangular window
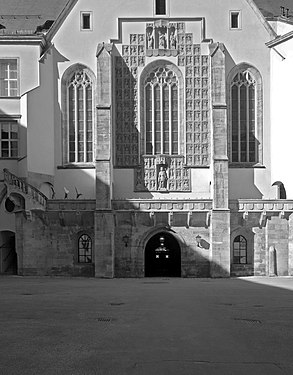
pixel 8 77
pixel 160 7
pixel 86 20
pixel 235 20
pixel 8 139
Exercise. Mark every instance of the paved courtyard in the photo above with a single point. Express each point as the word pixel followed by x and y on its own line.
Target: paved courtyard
pixel 155 326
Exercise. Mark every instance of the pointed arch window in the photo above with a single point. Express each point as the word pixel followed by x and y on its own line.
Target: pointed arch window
pixel 240 250
pixel 80 117
pixel 161 112
pixel 245 115
pixel 78 93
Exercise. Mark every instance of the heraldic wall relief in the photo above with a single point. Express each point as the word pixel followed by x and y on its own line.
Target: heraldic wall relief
pixel 162 107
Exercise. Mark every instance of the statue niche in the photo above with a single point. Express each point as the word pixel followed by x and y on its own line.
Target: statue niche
pixel 161 38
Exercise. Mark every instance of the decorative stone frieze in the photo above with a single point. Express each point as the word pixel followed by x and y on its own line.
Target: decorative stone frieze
pixel 162 173
pixel 261 206
pixel 152 205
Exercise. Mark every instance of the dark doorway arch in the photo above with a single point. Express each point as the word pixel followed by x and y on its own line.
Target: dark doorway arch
pixel 162 256
pixel 8 256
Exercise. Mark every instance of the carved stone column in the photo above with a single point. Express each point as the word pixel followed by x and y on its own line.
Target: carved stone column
pixel 104 222
pixel 290 245
pixel 220 227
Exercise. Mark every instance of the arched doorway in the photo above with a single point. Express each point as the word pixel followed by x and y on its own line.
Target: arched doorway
pixel 8 256
pixel 162 256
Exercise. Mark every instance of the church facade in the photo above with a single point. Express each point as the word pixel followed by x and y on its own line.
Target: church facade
pixel 146 139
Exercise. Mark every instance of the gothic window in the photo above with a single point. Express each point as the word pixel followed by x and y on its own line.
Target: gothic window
pixel 161 112
pixel 8 77
pixel 240 250
pixel 9 139
pixel 245 116
pixel 84 249
pixel 78 92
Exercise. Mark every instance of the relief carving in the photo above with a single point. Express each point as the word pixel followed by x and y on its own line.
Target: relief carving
pixel 162 173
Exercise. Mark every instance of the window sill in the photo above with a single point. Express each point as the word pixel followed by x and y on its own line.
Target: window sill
pixel 7 158
pixel 246 165
pixel 10 97
pixel 77 166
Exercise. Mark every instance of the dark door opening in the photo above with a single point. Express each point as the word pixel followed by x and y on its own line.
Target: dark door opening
pixel 162 256
pixel 8 256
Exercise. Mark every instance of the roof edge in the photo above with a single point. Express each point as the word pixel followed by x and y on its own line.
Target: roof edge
pixel 280 39
pixel 60 19
pixel 262 18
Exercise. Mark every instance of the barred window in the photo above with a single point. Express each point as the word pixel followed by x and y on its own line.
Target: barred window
pixel 9 139
pixel 240 250
pixel 244 143
pixel 161 112
pixel 84 249
pixel 80 117
pixel 8 77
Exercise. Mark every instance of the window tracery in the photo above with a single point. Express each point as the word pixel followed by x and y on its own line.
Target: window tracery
pixel 245 115
pixel 78 103
pixel 161 112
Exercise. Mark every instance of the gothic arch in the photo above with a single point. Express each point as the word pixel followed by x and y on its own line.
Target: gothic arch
pixel 151 67
pixel 67 75
pixel 258 86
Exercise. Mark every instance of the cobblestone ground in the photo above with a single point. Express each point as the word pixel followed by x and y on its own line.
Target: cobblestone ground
pixel 63 326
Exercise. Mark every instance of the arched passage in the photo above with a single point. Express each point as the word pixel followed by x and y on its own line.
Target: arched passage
pixel 162 256
pixel 8 256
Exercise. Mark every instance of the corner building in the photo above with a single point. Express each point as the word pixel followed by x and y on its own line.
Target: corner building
pixel 147 138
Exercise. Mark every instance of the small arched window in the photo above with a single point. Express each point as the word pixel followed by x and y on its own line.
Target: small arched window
pixel 240 250
pixel 78 103
pixel 245 89
pixel 161 112
pixel 85 249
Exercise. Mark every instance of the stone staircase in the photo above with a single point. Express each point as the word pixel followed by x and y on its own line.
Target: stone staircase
pixel 34 199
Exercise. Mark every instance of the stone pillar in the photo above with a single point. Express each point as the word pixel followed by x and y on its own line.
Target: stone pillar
pixel 220 227
pixel 272 261
pixel 290 239
pixel 104 222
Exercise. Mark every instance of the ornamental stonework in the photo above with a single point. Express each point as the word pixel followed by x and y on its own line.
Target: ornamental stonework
pixel 197 75
pixel 126 95
pixel 163 174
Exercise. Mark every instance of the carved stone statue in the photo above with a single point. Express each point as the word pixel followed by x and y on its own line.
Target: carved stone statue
pixel 162 179
pixel 172 40
pixel 150 40
pixel 162 40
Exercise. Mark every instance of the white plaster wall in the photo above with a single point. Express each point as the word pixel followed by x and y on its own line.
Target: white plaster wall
pixel 282 119
pixel 28 56
pixel 245 45
pixel 40 122
pixel 82 179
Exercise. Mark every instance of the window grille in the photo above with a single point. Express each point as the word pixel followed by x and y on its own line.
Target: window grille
pixel 240 250
pixel 8 77
pixel 9 140
pixel 84 249
pixel 161 112
pixel 80 117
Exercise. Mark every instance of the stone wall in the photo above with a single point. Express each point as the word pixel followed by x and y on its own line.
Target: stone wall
pixel 46 242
